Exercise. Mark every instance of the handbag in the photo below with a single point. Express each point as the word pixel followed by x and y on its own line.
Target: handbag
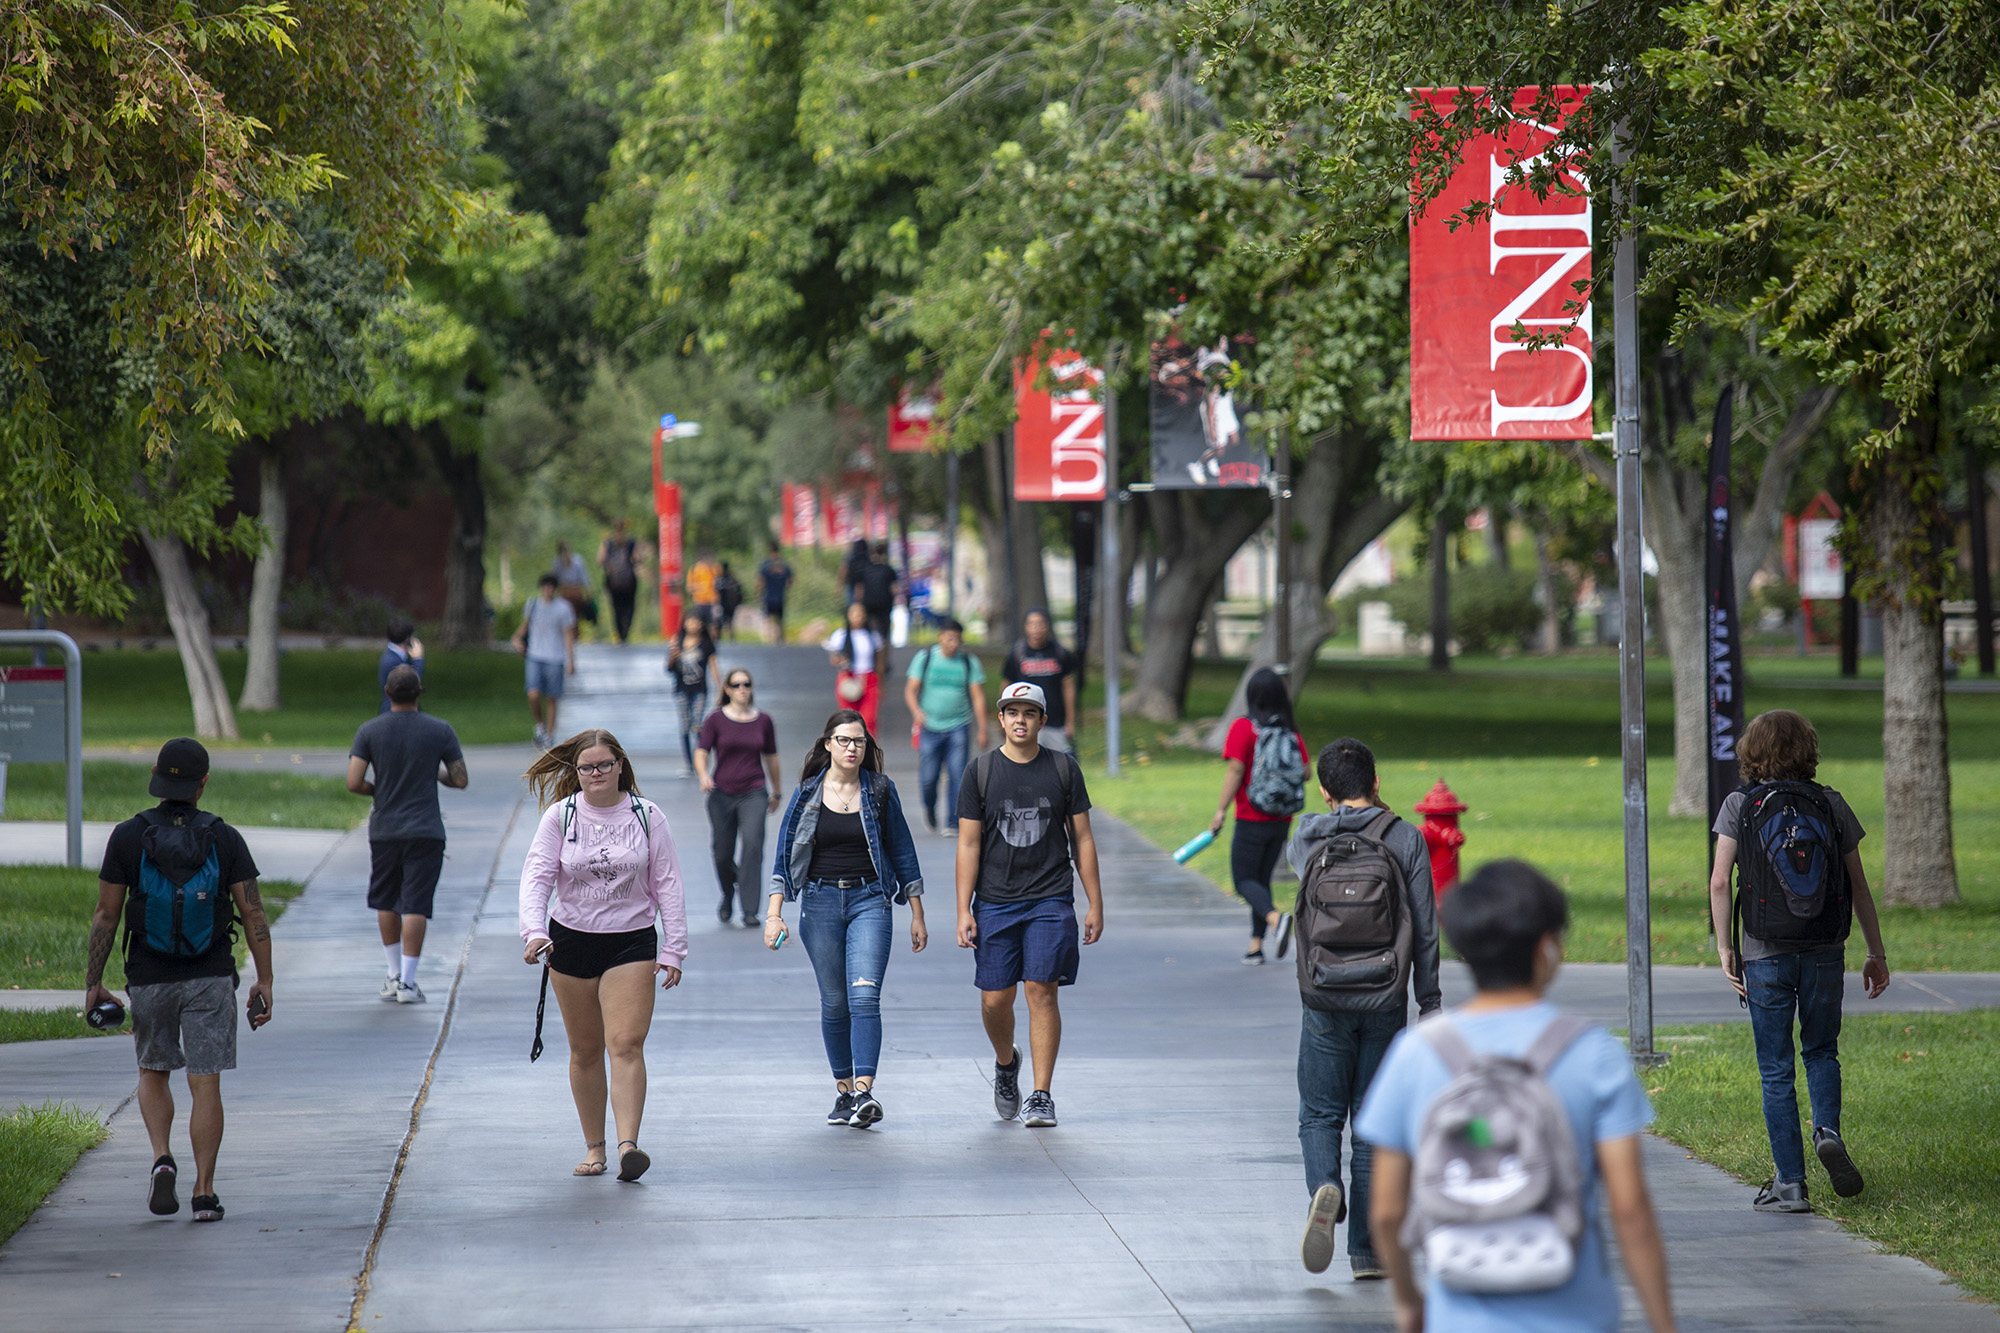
pixel 851 687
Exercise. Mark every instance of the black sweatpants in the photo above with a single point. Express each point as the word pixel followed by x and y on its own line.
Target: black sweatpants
pixel 1253 856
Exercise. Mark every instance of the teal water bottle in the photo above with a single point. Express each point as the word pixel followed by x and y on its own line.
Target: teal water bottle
pixel 1193 847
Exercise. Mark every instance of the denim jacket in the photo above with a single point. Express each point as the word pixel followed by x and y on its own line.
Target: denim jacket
pixel 904 878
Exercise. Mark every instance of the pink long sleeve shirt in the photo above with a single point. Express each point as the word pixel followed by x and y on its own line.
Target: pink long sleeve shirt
pixel 607 876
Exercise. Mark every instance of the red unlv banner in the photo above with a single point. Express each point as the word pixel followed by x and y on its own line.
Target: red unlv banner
pixel 910 419
pixel 798 520
pixel 1469 378
pixel 1059 435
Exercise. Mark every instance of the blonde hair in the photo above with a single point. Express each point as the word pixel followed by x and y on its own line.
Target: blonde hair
pixel 1779 745
pixel 552 777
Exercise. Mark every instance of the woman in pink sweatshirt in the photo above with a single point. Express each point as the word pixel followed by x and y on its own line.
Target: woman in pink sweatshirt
pixel 604 854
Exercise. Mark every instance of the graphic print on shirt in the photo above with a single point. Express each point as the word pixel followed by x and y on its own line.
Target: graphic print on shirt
pixel 1024 825
pixel 615 853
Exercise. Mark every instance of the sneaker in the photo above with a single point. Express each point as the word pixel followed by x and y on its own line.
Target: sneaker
pixel 1367 1268
pixel 1782 1196
pixel 207 1208
pixel 1255 958
pixel 843 1109
pixel 866 1109
pixel 1007 1087
pixel 1039 1111
pixel 388 991
pixel 164 1201
pixel 541 737
pixel 1284 934
pixel 722 913
pixel 1328 1207
pixel 949 832
pixel 752 923
pixel 410 994
pixel 1832 1150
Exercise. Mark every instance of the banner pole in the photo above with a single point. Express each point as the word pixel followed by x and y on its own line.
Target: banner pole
pixel 1111 596
pixel 1281 517
pixel 951 533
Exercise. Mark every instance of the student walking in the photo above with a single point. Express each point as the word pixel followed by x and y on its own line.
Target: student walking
pixel 619 559
pixel 1367 937
pixel 701 586
pixel 1023 821
pixel 728 597
pixel 546 636
pixel 411 754
pixel 845 853
pixel 857 651
pixel 691 663
pixel 1799 886
pixel 946 696
pixel 183 882
pixel 874 584
pixel 1266 783
pixel 774 578
pixel 601 906
pixel 403 648
pixel 737 752
pixel 573 582
pixel 1038 658
pixel 1507 1091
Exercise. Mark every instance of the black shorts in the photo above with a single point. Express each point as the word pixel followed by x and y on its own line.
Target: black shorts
pixel 590 953
pixel 403 874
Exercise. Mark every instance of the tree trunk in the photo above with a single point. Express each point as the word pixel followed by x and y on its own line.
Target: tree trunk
pixel 1545 589
pixel 1675 503
pixel 1757 529
pixel 213 716
pixel 260 679
pixel 465 576
pixel 1198 533
pixel 990 505
pixel 1496 538
pixel 1905 529
pixel 1440 594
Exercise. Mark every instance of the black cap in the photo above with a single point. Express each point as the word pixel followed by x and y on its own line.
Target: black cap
pixel 403 685
pixel 178 772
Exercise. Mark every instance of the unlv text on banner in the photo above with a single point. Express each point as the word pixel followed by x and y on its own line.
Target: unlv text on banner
pixel 1059 435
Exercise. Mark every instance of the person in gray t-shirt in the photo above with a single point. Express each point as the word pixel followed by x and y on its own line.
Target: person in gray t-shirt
pixel 411 754
pixel 546 636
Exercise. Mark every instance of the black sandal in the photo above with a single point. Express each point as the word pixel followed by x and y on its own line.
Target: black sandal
pixel 632 1163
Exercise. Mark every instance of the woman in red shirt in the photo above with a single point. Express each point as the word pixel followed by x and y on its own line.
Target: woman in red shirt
pixel 1260 834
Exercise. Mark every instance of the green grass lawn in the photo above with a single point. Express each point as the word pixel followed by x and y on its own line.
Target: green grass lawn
pixel 45 927
pixel 114 791
pixel 1536 759
pixel 139 698
pixel 1917 1108
pixel 38 1146
pixel 47 1024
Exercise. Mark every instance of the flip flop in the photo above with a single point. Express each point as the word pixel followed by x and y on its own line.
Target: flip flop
pixel 590 1168
pixel 632 1163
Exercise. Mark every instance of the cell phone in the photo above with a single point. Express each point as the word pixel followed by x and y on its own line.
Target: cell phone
pixel 783 935
pixel 259 1008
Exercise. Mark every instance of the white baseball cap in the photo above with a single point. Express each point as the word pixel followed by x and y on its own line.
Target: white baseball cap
pixel 1023 692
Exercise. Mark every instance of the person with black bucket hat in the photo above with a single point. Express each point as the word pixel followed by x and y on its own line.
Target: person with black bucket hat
pixel 183 882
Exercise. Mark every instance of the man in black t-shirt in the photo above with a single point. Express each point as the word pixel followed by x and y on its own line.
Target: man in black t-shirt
pixel 180 965
pixel 874 583
pixel 411 753
pixel 1023 819
pixel 1039 659
pixel 774 576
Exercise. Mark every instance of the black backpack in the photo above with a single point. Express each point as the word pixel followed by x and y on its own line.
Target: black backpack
pixel 1791 873
pixel 1355 939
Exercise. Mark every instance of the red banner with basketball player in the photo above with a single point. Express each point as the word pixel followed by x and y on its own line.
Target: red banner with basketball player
pixel 910 419
pixel 1059 431
pixel 1472 282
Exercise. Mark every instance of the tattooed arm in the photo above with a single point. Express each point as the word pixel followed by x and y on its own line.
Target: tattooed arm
pixel 103 934
pixel 257 930
pixel 454 775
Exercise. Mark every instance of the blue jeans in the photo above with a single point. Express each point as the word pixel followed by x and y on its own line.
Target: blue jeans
pixel 946 750
pixel 846 934
pixel 1338 1056
pixel 694 712
pixel 1809 985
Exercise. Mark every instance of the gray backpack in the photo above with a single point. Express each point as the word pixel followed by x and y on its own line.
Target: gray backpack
pixel 1496 1189
pixel 1355 939
pixel 1277 781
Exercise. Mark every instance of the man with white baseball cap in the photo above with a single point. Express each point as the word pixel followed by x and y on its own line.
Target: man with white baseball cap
pixel 1023 820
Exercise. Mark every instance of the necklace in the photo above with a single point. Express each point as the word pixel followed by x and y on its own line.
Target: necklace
pixel 848 803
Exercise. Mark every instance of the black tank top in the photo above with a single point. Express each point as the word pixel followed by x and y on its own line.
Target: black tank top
pixel 840 848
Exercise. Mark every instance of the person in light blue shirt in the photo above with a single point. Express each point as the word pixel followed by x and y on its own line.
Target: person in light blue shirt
pixel 946 697
pixel 1507 922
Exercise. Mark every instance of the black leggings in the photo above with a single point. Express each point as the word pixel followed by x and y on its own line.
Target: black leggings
pixel 1253 855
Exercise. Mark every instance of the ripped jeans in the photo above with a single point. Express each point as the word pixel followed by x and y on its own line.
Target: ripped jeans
pixel 846 934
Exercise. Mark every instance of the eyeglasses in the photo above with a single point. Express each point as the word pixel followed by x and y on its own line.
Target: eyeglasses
pixel 593 770
pixel 739 684
pixel 851 742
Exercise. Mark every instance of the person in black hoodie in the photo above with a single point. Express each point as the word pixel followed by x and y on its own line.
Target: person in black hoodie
pixel 1345 1032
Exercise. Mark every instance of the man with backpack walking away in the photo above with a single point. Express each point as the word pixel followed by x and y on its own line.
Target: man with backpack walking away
pixel 412 754
pixel 946 697
pixel 1366 935
pixel 1799 887
pixel 1023 821
pixel 1498 1126
pixel 874 585
pixel 182 881
pixel 618 557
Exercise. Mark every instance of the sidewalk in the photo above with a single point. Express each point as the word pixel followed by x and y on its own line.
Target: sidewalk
pixel 1170 1197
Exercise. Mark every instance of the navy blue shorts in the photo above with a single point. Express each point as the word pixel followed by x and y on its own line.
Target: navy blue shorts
pixel 1030 941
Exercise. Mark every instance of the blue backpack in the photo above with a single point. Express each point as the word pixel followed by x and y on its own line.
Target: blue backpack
pixel 181 906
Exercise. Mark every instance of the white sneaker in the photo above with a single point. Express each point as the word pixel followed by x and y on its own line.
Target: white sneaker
pixel 389 984
pixel 1194 471
pixel 410 994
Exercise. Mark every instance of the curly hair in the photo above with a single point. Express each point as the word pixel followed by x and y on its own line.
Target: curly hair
pixel 1778 746
pixel 552 777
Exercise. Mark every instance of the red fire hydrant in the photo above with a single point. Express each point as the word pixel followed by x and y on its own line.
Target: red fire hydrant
pixel 1441 809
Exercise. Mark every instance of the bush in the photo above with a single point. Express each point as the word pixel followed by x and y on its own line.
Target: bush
pixel 1489 607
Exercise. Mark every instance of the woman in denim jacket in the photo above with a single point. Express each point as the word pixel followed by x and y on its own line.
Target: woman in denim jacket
pixel 845 851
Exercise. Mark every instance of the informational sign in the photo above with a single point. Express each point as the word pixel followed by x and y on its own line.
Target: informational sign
pixel 31 715
pixel 1059 432
pixel 1472 282
pixel 1198 439
pixel 1822 576
pixel 910 419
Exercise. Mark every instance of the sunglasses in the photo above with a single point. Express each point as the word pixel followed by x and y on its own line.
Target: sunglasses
pixel 739 684
pixel 593 770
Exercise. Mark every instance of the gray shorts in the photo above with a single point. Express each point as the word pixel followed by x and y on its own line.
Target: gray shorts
pixel 186 1024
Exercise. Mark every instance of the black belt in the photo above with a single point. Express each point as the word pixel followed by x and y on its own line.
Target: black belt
pixel 845 883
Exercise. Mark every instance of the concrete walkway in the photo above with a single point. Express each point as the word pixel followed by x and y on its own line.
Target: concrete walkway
pixel 1170 1197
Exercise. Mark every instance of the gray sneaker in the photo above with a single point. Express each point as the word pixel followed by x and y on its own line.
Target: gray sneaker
pixel 1039 1111
pixel 410 994
pixel 1007 1087
pixel 1328 1207
pixel 1782 1196
pixel 1832 1150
